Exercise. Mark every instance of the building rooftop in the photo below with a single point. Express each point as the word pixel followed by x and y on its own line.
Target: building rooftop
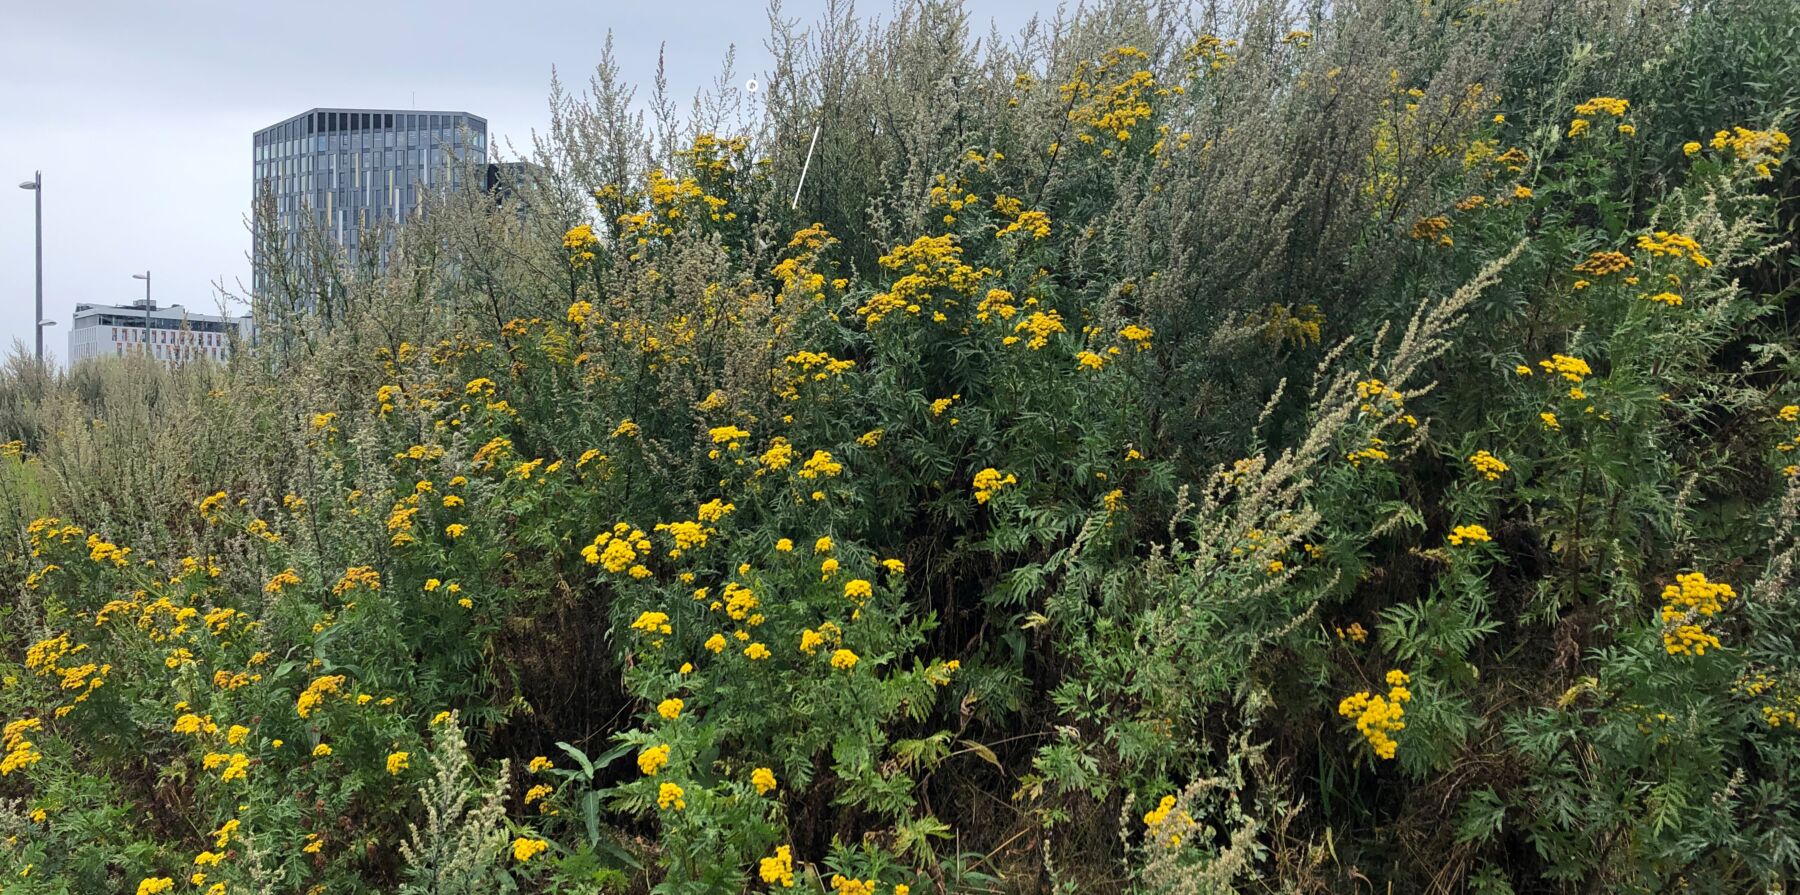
pixel 331 109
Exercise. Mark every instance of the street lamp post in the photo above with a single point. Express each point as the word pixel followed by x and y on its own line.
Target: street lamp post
pixel 145 276
pixel 36 186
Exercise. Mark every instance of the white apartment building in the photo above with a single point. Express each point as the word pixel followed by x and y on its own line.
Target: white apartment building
pixel 173 333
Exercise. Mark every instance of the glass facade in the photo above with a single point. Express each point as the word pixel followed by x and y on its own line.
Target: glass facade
pixel 345 169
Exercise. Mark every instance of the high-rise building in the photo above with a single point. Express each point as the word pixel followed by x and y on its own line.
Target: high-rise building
pixel 168 333
pixel 341 170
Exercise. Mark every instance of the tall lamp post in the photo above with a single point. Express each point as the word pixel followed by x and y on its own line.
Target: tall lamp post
pixel 36 186
pixel 145 276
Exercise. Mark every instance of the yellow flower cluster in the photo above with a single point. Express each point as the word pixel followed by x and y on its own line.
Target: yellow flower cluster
pixel 1371 389
pixel 525 848
pixel 764 780
pixel 843 660
pixel 1035 223
pixel 843 885
pixel 1378 718
pixel 101 550
pixel 1571 368
pixel 652 623
pixel 1106 109
pixel 619 550
pixel 1762 149
pixel 779 869
pixel 1433 229
pixel 820 465
pixel 740 601
pixel 1468 534
pixel 314 694
pixel 1490 466
pixel 236 765
pixel 354 577
pixel 1375 452
pixel 1600 264
pixel 728 436
pixel 1164 825
pixel 927 264
pixel 1038 327
pixel 654 759
pixel 811 640
pixel 1687 604
pixel 1603 105
pixel 580 241
pixel 1663 243
pixel 990 481
pixel 687 536
pixel 1600 105
pixel 21 752
pixel 670 795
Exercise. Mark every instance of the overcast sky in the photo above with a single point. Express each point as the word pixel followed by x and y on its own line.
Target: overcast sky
pixel 140 113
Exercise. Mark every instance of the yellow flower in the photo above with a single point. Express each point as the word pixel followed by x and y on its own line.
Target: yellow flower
pixel 524 849
pixel 1378 718
pixel 155 884
pixel 440 718
pixel 285 578
pixel 1690 148
pixel 763 779
pixel 785 545
pixel 756 651
pixel 653 759
pixel 843 660
pixel 894 566
pixel 670 708
pixel 990 481
pixel 1687 605
pixel 1468 533
pixel 1550 421
pixel 539 764
pixel 715 643
pixel 778 869
pixel 653 623
pixel 455 530
pixel 397 762
pixel 670 795
pixel 1488 465
pixel 727 434
pixel 321 750
pixel 857 590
